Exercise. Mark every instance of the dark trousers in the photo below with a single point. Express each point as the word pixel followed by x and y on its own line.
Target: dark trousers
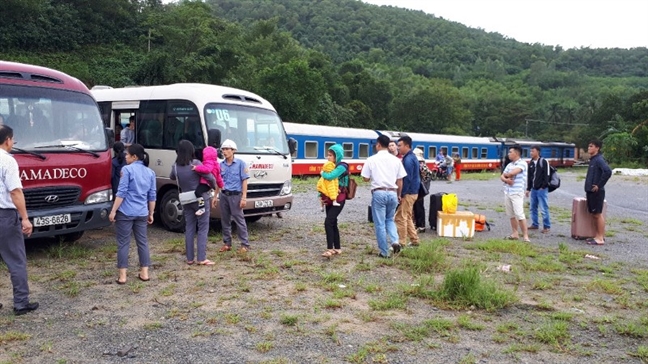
pixel 196 228
pixel 331 225
pixel 231 210
pixel 419 212
pixel 201 189
pixel 12 250
pixel 124 225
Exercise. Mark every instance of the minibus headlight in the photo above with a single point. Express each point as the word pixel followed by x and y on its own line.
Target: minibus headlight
pixel 98 197
pixel 286 189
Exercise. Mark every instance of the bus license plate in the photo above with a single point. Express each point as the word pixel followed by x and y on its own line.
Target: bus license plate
pixel 52 220
pixel 263 203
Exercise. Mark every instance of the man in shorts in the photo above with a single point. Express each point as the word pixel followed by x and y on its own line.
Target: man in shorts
pixel 598 174
pixel 514 178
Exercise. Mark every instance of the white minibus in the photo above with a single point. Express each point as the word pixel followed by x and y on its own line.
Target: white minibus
pixel 164 115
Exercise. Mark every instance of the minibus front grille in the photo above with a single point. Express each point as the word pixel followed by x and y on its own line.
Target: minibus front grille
pixel 264 190
pixel 50 197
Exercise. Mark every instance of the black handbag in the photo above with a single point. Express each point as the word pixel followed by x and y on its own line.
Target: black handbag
pixel 423 191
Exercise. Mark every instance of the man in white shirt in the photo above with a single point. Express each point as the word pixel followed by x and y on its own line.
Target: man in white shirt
pixel 14 224
pixel 386 172
pixel 514 178
pixel 127 135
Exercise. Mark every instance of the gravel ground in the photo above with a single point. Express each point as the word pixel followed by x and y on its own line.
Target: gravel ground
pixel 277 304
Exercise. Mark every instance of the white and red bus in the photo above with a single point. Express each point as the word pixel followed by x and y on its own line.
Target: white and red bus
pixel 61 148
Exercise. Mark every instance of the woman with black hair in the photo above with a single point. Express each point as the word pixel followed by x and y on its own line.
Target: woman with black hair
pixel 118 162
pixel 196 226
pixel 133 209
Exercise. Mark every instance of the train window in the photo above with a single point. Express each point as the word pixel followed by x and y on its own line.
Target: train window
pixel 525 153
pixel 455 150
pixel 553 153
pixel 348 150
pixel 421 148
pixel 464 153
pixel 363 150
pixel 484 153
pixel 567 153
pixel 444 150
pixel 432 152
pixel 327 145
pixel 475 153
pixel 310 150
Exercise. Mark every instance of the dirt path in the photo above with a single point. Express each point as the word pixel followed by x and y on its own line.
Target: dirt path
pixel 283 303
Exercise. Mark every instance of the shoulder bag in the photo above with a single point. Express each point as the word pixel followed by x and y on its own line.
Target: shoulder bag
pixel 184 197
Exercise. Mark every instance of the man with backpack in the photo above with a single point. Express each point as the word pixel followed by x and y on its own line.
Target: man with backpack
pixel 538 189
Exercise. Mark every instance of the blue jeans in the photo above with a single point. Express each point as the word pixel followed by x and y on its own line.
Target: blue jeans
pixel 383 209
pixel 540 197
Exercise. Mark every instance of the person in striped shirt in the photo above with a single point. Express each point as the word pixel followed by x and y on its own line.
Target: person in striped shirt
pixel 515 180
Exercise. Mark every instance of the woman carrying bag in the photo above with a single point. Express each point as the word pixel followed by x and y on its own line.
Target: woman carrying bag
pixel 196 226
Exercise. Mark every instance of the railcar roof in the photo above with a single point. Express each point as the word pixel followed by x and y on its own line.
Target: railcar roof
pixel 329 131
pixel 436 138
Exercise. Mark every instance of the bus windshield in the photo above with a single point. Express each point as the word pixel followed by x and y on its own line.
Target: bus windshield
pixel 253 130
pixel 47 119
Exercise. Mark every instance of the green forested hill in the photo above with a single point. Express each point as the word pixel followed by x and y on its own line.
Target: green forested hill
pixel 349 29
pixel 343 62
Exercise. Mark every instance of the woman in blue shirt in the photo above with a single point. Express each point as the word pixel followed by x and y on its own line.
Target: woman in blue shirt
pixel 133 209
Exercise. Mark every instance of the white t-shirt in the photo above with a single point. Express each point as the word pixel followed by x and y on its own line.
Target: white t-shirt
pixel 383 168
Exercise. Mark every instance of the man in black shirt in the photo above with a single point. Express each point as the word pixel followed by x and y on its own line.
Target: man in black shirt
pixel 598 174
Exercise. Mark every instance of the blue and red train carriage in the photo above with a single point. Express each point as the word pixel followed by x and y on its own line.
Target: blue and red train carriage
pixel 477 153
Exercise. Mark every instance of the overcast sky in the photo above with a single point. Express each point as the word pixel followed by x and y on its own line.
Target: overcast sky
pixel 568 23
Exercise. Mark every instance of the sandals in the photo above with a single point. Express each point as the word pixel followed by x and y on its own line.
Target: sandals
pixel 511 238
pixel 331 252
pixel 224 248
pixel 527 240
pixel 142 279
pixel 592 241
pixel 206 262
pixel 190 262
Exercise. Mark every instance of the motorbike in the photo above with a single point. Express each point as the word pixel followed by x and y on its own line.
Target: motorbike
pixel 440 172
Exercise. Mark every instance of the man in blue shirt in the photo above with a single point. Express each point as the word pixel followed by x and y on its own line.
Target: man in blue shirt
pixel 409 194
pixel 598 174
pixel 233 197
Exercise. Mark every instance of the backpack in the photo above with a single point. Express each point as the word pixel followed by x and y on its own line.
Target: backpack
pixel 449 203
pixel 481 223
pixel 351 188
pixel 554 178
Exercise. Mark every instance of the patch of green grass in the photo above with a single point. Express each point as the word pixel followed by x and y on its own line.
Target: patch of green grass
pixel 641 353
pixel 605 286
pixel 465 322
pixel 561 316
pixel 168 290
pixel 553 333
pixel 427 258
pixel 71 289
pixel 637 329
pixel 641 277
pixel 264 346
pixel 289 320
pixel 505 246
pixel 468 359
pixel 66 275
pixel 543 263
pixel 65 250
pixel 376 348
pixel 465 287
pixel 332 304
pixel 541 285
pixel 153 326
pixel 333 277
pixel 388 302
pixel 507 327
pixel 631 221
pixel 176 245
pixel 300 286
pixel 232 318
pixel 13 336
pixel 529 348
pixel 478 176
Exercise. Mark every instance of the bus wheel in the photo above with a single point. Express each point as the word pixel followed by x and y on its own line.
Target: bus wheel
pixel 71 237
pixel 170 212
pixel 251 219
